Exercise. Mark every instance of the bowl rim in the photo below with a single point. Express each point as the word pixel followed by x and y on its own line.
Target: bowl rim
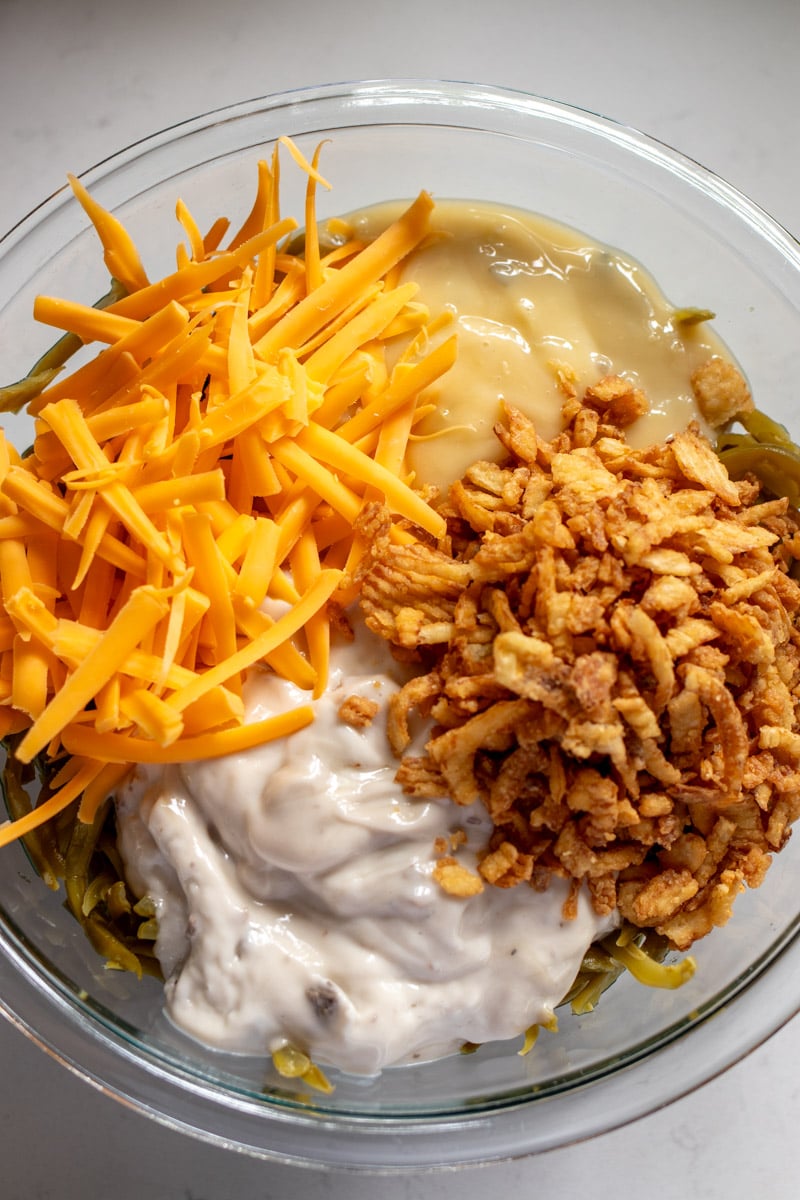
pixel 412 91
pixel 501 1133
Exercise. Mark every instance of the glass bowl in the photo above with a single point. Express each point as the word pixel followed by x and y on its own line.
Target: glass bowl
pixel 706 245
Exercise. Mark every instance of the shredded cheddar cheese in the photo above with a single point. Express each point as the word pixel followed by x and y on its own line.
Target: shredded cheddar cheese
pixel 212 456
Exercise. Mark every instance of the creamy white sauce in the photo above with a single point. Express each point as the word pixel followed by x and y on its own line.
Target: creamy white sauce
pixel 294 897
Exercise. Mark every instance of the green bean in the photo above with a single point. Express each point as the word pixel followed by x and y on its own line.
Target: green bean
pixel 86 857
pixel 116 900
pixel 649 971
pixel 589 987
pixel 692 316
pixel 82 846
pixel 766 429
pixel 765 450
pixel 15 396
pixel 626 949
pixel 39 843
pixel 97 892
pixel 110 946
pixel 775 466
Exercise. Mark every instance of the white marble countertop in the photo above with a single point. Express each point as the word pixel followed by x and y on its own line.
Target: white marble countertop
pixel 717 79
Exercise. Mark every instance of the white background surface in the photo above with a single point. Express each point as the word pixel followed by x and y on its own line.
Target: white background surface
pixel 717 79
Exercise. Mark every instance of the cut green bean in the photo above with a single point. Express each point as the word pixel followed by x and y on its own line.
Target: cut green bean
pixel 14 396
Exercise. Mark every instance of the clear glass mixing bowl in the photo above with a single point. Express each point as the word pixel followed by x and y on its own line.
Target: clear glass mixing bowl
pixel 706 245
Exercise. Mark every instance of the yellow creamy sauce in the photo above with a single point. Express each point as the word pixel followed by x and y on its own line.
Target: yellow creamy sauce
pixel 527 295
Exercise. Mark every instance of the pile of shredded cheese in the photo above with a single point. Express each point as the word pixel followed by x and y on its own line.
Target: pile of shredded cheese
pixel 213 455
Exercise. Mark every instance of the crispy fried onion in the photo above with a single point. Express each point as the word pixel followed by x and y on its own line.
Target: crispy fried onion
pixel 609 659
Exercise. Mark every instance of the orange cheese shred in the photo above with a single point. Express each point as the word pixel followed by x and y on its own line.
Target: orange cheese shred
pixel 118 748
pixel 120 254
pixel 212 458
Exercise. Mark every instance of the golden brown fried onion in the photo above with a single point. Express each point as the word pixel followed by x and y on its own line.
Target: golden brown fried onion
pixel 609 657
